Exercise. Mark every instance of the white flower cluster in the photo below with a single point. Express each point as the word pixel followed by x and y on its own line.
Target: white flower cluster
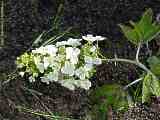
pixel 67 62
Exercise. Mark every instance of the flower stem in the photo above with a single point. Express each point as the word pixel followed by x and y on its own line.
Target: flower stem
pixel 121 60
pixel 138 51
pixel 132 83
pixel 137 63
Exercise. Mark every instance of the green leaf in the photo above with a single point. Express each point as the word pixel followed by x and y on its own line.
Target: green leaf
pixel 151 86
pixel 146 21
pixel 154 64
pixel 146 93
pixel 143 31
pixel 154 60
pixel 155 87
pixel 130 34
pixel 112 95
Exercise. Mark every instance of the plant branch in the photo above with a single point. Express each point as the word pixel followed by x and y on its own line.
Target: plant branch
pixel 132 83
pixel 121 60
pixel 138 51
pixel 137 63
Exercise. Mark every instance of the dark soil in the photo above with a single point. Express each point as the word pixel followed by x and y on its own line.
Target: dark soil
pixel 40 98
pixel 26 20
pixel 141 112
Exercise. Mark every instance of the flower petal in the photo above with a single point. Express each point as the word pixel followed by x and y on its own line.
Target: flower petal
pixel 32 79
pixel 68 69
pixel 74 42
pixel 91 38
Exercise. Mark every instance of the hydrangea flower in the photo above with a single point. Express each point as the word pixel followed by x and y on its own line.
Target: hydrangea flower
pixel 72 84
pixel 68 69
pixel 62 43
pixel 68 83
pixel 97 61
pixel 32 79
pixel 74 42
pixel 88 67
pixel 52 76
pixel 85 84
pixel 49 49
pixel 90 60
pixel 91 38
pixel 72 54
pixel 47 61
pixel 21 74
pixel 70 42
pixel 81 73
pixel 39 64
pixel 69 63
pixel 39 51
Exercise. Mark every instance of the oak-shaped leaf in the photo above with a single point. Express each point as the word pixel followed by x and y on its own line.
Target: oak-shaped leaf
pixel 151 86
pixel 154 64
pixel 142 31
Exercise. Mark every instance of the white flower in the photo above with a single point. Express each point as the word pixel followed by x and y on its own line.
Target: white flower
pixel 68 69
pixel 91 38
pixel 88 67
pixel 70 41
pixel 74 42
pixel 39 65
pixel 59 57
pixel 39 50
pixel 51 61
pixel 62 43
pixel 85 84
pixel 64 62
pixel 37 59
pixel 45 80
pixel 72 54
pixel 90 60
pixel 97 61
pixel 72 84
pixel 81 73
pixel 51 50
pixel 48 49
pixel 46 61
pixel 93 49
pixel 100 38
pixel 20 65
pixel 56 66
pixel 32 79
pixel 52 76
pixel 35 75
pixel 68 83
pixel 21 74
